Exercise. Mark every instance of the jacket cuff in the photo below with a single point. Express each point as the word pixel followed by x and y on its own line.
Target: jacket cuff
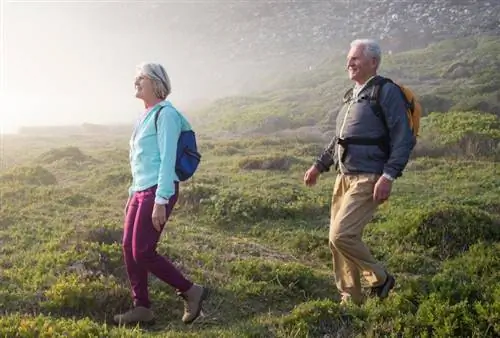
pixel 161 200
pixel 391 174
pixel 389 177
pixel 321 167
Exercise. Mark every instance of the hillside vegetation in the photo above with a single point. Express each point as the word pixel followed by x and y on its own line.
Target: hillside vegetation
pixel 457 74
pixel 247 227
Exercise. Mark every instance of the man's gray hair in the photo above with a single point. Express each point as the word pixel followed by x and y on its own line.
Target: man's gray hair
pixel 159 77
pixel 371 48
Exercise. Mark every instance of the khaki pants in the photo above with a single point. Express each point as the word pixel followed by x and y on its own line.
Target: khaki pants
pixel 352 208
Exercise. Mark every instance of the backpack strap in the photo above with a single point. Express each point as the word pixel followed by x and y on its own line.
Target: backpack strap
pixel 375 99
pixel 157 114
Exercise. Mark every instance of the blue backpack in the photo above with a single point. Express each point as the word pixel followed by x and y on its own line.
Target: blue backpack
pixel 188 157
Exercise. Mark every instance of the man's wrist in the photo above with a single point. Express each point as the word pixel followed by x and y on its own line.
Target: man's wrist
pixel 387 176
pixel 320 167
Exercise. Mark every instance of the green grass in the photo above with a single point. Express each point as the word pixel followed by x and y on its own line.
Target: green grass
pixel 248 228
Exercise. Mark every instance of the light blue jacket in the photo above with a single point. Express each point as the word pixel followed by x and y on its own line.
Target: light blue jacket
pixel 153 154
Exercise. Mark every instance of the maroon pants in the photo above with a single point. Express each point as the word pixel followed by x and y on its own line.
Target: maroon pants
pixel 140 239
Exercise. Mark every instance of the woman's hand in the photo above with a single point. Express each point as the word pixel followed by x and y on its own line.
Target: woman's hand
pixel 159 216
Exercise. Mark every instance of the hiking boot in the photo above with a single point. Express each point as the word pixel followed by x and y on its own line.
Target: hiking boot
pixel 382 291
pixel 137 315
pixel 193 298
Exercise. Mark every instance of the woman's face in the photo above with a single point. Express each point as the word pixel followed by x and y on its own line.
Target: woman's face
pixel 143 87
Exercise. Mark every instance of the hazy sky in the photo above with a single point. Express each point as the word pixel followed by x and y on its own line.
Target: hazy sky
pixel 66 62
pixel 69 62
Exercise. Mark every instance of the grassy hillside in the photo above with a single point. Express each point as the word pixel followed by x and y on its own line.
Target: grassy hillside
pixel 247 227
pixel 457 74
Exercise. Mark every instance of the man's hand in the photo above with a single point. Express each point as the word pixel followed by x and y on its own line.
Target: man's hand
pixel 311 176
pixel 382 189
pixel 159 216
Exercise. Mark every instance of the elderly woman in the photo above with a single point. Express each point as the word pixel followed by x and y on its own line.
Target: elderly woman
pixel 152 196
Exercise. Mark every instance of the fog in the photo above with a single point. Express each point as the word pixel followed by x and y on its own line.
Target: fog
pixel 67 62
pixel 74 62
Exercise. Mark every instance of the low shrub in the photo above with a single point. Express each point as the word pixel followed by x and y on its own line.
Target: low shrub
pixel 280 163
pixel 69 154
pixel 36 175
pixel 320 318
pixel 451 230
pixel 276 278
pixel 73 295
pixel 17 325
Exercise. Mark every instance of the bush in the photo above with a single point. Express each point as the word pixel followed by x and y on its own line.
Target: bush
pixel 17 325
pixel 293 279
pixel 451 230
pixel 245 207
pixel 281 163
pixel 471 135
pixel 195 194
pixel 441 318
pixel 29 175
pixel 320 318
pixel 74 295
pixel 69 154
pixel 103 235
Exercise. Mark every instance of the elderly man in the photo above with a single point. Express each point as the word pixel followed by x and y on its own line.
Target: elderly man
pixel 365 170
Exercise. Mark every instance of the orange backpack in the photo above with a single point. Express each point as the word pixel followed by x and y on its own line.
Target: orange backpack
pixel 413 107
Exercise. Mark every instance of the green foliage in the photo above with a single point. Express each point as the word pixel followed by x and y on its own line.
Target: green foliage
pixel 452 127
pixel 460 77
pixel 457 134
pixel 74 295
pixel 282 163
pixel 234 207
pixel 449 230
pixel 272 279
pixel 72 155
pixel 46 326
pixel 317 319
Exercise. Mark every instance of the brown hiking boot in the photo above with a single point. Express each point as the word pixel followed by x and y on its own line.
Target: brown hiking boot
pixel 193 298
pixel 137 315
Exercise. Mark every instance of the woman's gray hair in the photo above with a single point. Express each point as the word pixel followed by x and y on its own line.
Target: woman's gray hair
pixel 159 77
pixel 371 48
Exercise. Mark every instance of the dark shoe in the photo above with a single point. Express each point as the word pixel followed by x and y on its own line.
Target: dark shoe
pixel 137 315
pixel 193 299
pixel 382 291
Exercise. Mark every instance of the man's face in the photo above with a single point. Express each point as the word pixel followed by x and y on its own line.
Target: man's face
pixel 359 66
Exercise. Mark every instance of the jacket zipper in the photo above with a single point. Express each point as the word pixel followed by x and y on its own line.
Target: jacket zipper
pixel 340 134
